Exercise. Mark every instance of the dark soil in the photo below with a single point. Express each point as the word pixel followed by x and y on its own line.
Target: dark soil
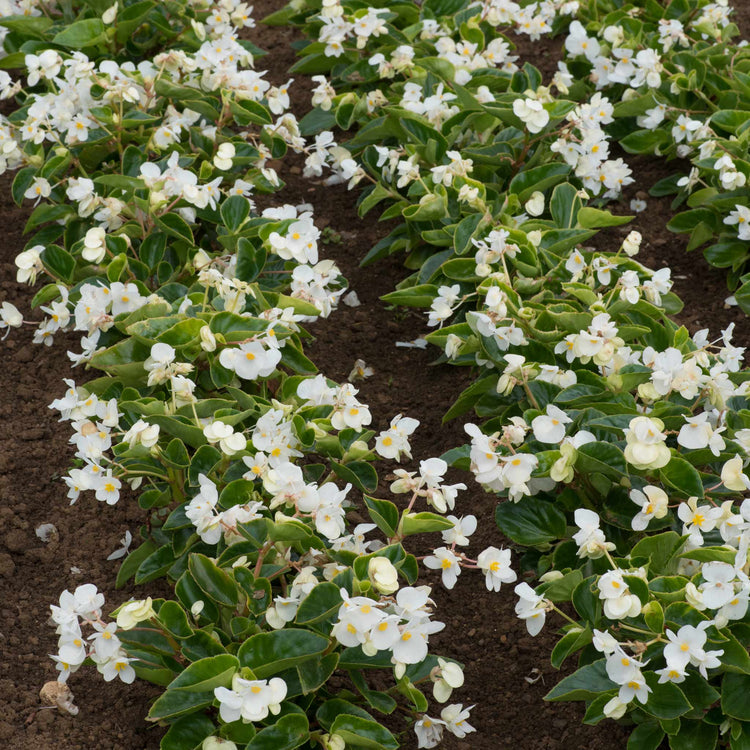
pixel 481 628
pixel 34 455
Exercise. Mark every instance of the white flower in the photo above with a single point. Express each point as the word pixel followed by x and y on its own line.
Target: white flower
pixel 132 613
pixel 718 588
pixel 455 717
pixel 530 607
pixel 733 477
pixel 550 427
pixel 632 243
pixel 535 205
pixel 496 566
pixel 653 502
pixel 383 574
pixel 447 562
pixel 590 539
pixel 741 218
pixel 429 731
pixel 94 245
pixel 251 360
pixel 697 519
pixel 448 677
pixel 462 529
pixel 229 441
pixel 532 113
pixel 224 155
pixel 250 700
pixel 646 447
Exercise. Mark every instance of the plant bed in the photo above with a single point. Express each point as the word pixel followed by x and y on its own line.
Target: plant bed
pixel 507 672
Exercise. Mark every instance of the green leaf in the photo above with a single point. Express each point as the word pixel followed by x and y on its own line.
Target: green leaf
pixel 561 589
pixel 531 521
pixel 423 523
pixel 584 684
pixel 730 119
pixel 250 260
pixel 537 178
pixel 653 614
pixel 81 34
pixel 595 711
pixel 132 562
pixel 711 554
pixel 174 619
pixel 187 733
pixel 314 673
pixel 361 474
pixel 213 580
pixel 571 642
pixel 694 735
pixel 174 703
pixel 735 689
pixel 156 564
pixel 336 707
pixel 421 295
pixel 234 210
pixel 206 674
pixel 59 263
pixel 175 454
pixel 359 732
pixel 659 549
pixel 383 513
pixel 666 700
pixel 175 226
pixel 269 653
pixel 27 25
pixel 601 458
pixel 646 736
pixel 565 205
pixel 288 732
pixel 594 218
pixel 320 604
pixel 683 477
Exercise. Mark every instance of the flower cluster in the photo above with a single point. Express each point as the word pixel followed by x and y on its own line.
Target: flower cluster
pixel 102 646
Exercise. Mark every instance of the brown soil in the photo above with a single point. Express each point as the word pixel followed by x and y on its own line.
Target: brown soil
pixel 481 629
pixel 33 574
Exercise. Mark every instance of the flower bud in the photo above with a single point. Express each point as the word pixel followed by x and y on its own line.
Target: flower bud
pixel 333 742
pixel 200 260
pixel 217 743
pixel 615 709
pixel 110 14
pixel 132 613
pixel 551 575
pixel 358 449
pixel 535 205
pixel 208 340
pixel 632 244
pixel 535 237
pixel 383 575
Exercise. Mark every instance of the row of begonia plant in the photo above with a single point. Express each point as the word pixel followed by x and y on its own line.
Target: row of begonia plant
pixel 142 156
pixel 678 83
pixel 615 441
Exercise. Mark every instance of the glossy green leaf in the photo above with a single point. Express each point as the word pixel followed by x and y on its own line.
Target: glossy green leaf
pixel 187 733
pixel 288 732
pixel 216 584
pixel 423 523
pixel 206 674
pixel 359 732
pixel 269 653
pixel 735 689
pixel 531 521
pixel 320 604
